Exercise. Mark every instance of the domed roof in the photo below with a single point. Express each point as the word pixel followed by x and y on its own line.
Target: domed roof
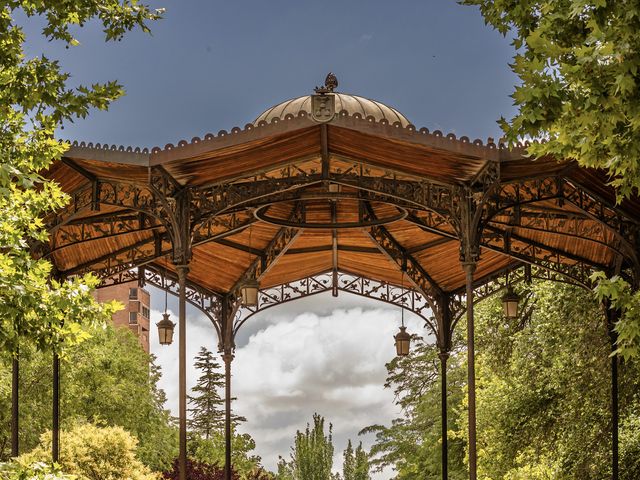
pixel 351 103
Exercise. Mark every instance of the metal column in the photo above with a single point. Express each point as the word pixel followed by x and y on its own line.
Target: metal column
pixel 55 440
pixel 182 271
pixel 443 399
pixel 469 268
pixel 612 317
pixel 15 410
pixel 227 357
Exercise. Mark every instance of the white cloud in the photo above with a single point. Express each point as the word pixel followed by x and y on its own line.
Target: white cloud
pixel 294 363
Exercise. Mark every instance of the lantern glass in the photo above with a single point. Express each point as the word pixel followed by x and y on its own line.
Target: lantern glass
pixel 403 342
pixel 249 292
pixel 335 188
pixel 510 302
pixel 165 330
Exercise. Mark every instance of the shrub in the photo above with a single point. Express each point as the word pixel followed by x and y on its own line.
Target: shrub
pixel 35 471
pixel 198 471
pixel 94 453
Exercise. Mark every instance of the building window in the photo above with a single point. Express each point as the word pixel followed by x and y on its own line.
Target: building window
pixel 133 317
pixel 133 294
pixel 145 311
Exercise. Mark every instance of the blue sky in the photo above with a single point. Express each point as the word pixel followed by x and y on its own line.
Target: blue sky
pixel 212 65
pixel 215 65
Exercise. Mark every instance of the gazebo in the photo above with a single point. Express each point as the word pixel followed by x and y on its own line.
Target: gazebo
pixel 330 192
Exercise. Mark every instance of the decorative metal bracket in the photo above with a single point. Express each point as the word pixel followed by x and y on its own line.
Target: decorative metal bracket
pixel 405 262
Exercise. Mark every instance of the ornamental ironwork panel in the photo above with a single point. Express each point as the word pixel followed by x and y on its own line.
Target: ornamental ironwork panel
pixel 407 298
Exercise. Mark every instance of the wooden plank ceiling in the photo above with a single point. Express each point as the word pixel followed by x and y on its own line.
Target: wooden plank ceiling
pixel 254 154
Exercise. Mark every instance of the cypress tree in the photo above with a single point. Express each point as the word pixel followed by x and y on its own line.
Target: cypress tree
pixel 349 463
pixel 361 460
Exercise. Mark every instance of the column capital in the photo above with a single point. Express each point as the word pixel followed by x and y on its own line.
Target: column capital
pixel 443 355
pixel 469 266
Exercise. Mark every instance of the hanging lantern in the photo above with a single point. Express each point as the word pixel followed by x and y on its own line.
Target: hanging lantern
pixel 249 293
pixel 510 302
pixel 165 329
pixel 403 341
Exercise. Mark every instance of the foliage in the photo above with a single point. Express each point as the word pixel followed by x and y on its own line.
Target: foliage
pixel 284 470
pixel 35 100
pixel 543 401
pixel 411 444
pixel 540 469
pixel 207 412
pixel 622 297
pixel 35 471
pixel 109 380
pixel 311 456
pixel 543 396
pixel 349 463
pixel 577 61
pixel 362 464
pixel 93 453
pixel 356 464
pixel 197 470
pixel 212 451
pixel 630 445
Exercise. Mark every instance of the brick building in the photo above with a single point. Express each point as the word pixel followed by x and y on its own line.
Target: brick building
pixel 136 312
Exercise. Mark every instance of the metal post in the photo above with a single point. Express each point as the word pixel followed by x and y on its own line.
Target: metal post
pixel 182 271
pixel 469 268
pixel 55 440
pixel 15 410
pixel 443 405
pixel 227 357
pixel 613 336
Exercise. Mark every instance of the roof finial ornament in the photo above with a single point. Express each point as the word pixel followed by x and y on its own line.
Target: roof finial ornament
pixel 330 84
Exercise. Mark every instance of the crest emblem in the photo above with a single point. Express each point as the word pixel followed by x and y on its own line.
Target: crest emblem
pixel 323 107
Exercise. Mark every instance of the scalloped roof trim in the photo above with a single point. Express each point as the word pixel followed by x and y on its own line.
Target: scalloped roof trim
pixel 490 142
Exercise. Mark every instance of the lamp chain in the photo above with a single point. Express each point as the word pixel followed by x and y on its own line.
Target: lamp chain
pixel 402 302
pixel 166 290
pixel 250 231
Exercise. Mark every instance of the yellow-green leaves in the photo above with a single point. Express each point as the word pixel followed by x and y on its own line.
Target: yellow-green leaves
pixel 91 452
pixel 34 101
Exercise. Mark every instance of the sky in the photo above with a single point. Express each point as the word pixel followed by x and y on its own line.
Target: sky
pixel 209 66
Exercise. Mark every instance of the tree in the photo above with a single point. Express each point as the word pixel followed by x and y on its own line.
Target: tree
pixel 212 451
pixel 349 463
pixel 107 379
pixel 284 470
pixel 356 464
pixel 311 456
pixel 411 444
pixel 543 386
pixel 577 62
pixel 197 470
pixel 543 396
pixel 361 464
pixel 35 100
pixel 93 453
pixel 207 414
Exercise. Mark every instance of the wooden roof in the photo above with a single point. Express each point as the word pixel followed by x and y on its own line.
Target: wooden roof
pixel 543 212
